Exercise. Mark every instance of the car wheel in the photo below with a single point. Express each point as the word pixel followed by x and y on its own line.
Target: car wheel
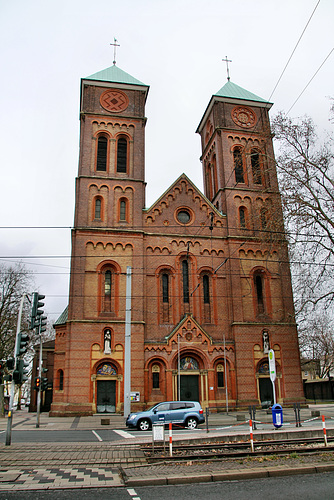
pixel 191 423
pixel 144 425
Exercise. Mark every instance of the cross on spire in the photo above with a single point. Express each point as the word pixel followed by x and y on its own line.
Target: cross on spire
pixel 228 71
pixel 115 44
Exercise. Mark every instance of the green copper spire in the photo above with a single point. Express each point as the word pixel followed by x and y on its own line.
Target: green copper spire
pixel 115 75
pixel 233 91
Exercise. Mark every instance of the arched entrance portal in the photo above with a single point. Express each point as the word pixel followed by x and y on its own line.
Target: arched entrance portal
pixel 106 376
pixel 265 387
pixel 188 379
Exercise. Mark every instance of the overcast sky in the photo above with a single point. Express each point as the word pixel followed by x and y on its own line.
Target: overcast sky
pixel 174 46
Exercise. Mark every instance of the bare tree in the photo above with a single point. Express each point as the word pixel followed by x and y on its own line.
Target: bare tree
pixel 317 343
pixel 306 172
pixel 14 281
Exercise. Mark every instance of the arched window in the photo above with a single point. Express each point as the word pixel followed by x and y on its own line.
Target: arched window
pixel 108 283
pixel 97 208
pixel 123 209
pixel 220 376
pixel 206 298
pixel 259 291
pixel 185 281
pixel 164 284
pixel 155 377
pixel 238 165
pixel 108 296
pixel 242 217
pixel 209 181
pixel 60 380
pixel 256 167
pixel 165 287
pixel 122 155
pixel 101 157
pixel 263 218
pixel 206 289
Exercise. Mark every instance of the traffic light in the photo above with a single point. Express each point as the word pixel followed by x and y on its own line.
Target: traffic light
pixel 2 366
pixel 44 384
pixel 10 363
pixel 21 367
pixel 42 324
pixel 16 376
pixel 22 341
pixel 37 383
pixel 36 312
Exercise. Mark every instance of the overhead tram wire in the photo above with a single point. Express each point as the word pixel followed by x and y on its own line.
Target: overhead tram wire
pixel 321 65
pixel 294 50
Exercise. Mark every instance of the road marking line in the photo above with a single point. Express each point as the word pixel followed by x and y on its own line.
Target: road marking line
pixel 97 436
pixel 124 434
pixel 133 494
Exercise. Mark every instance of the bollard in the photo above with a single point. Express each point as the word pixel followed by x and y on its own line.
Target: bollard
pixel 207 418
pixel 251 434
pixel 252 415
pixel 296 409
pixel 170 440
pixel 324 429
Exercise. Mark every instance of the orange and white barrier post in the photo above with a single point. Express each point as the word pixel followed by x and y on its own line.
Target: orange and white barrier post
pixel 251 435
pixel 170 440
pixel 324 429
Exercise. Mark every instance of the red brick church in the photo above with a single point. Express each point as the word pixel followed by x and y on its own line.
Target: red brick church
pixel 211 288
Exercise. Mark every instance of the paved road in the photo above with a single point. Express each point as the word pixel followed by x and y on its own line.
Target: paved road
pixel 59 436
pixel 306 487
pixel 81 435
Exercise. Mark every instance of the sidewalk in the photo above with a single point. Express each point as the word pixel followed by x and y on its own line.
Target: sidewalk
pixel 122 462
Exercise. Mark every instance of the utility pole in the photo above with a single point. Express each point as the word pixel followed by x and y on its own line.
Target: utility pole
pixel 12 384
pixel 127 349
pixel 40 370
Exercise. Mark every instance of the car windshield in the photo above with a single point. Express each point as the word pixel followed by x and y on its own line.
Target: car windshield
pixel 149 409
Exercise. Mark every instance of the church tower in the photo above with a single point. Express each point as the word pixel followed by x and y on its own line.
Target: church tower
pixel 240 180
pixel 106 238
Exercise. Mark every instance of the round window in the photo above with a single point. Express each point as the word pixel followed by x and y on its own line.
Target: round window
pixel 183 216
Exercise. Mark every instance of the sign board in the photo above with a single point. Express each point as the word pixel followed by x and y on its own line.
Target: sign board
pixel 135 396
pixel 272 367
pixel 158 432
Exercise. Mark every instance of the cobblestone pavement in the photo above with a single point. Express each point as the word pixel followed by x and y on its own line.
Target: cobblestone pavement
pixel 38 466
pixel 59 477
pixel 51 465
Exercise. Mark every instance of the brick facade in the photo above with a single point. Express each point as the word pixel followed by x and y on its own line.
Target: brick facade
pixel 210 273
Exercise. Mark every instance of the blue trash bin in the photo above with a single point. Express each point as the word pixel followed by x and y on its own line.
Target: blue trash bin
pixel 277 412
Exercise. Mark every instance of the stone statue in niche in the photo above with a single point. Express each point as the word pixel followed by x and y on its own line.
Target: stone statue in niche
pixel 265 341
pixel 107 342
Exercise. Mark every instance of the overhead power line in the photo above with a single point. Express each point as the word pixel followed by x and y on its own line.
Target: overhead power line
pixel 294 50
pixel 302 92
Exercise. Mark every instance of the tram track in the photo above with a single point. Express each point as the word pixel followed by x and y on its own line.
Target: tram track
pixel 223 450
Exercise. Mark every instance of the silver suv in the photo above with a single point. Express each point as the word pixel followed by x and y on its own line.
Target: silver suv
pixel 186 413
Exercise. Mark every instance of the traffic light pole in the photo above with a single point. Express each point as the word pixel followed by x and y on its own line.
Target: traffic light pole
pixel 40 369
pixel 12 386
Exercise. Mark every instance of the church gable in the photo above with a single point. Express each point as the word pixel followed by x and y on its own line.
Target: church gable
pixel 183 205
pixel 188 330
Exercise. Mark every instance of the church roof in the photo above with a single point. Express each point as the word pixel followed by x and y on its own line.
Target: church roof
pixel 234 91
pixel 62 318
pixel 115 75
pixel 184 177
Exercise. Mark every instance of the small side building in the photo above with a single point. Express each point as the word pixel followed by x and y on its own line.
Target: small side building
pixel 48 349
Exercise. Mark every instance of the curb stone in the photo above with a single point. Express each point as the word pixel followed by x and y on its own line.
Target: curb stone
pixel 228 476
